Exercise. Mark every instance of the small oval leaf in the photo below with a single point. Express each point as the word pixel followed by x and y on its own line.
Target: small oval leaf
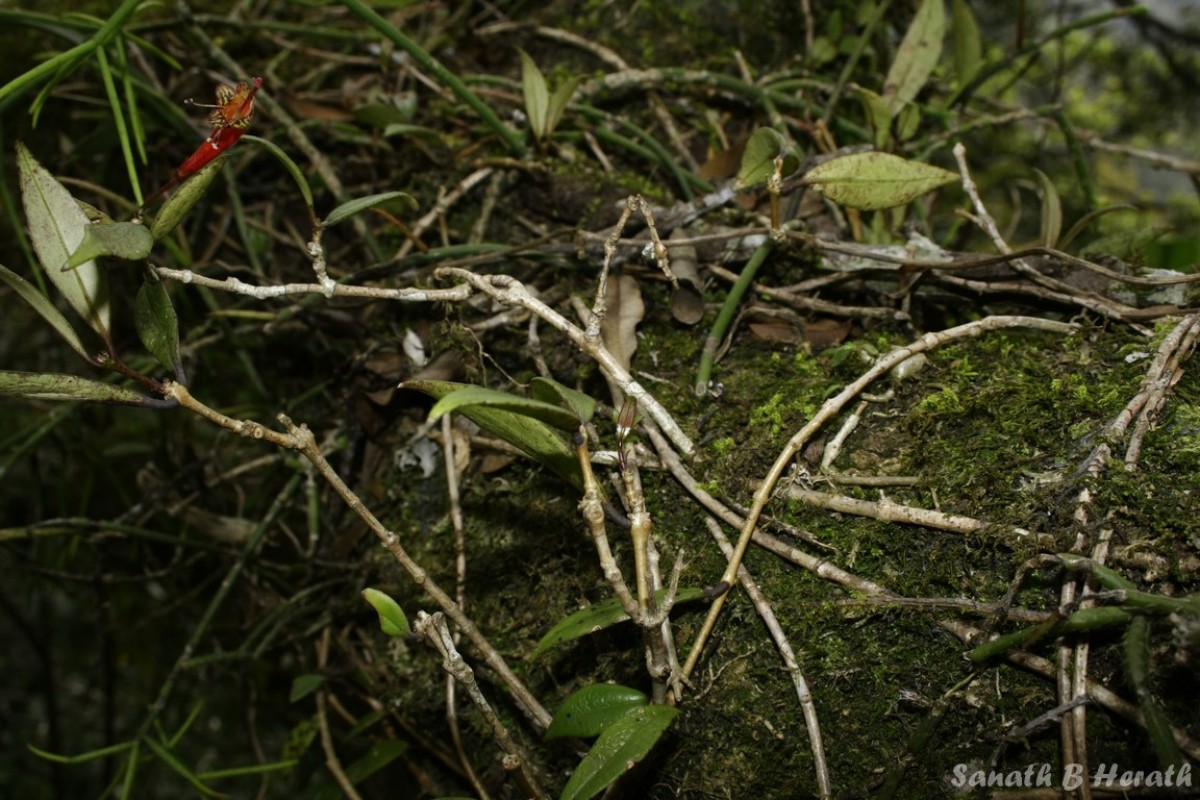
pixel 592 709
pixel 623 744
pixel 871 181
pixel 157 325
pixel 361 204
pixel 128 240
pixel 304 685
pixel 758 159
pixel 391 616
pixel 599 616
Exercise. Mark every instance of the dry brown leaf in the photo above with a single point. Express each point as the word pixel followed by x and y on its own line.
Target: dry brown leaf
pixel 824 333
pixel 625 311
pixel 774 331
pixel 494 462
pixel 687 302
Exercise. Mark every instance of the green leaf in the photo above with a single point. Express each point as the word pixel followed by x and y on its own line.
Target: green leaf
pixel 56 228
pixel 249 769
pixel 56 386
pixel 357 206
pixel 558 101
pixel 379 756
pixel 181 769
pixel 300 738
pixel 537 439
pixel 157 325
pixel 128 240
pixel 537 95
pixel 599 616
pixel 1137 671
pixel 968 42
pixel 185 197
pixel 592 709
pixel 412 131
pixel 1051 223
pixel 623 744
pixel 549 413
pixel 917 55
pixel 304 685
pixel 549 390
pixel 391 616
pixel 42 305
pixel 871 181
pixel 758 159
pixel 82 758
pixel 907 121
pixel 878 116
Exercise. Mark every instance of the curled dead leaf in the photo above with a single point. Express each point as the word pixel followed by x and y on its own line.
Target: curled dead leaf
pixel 687 301
pixel 625 311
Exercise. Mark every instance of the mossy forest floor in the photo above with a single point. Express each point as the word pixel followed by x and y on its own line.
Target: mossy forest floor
pixel 121 525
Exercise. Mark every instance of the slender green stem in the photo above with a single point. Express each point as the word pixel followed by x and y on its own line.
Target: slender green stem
pixel 511 138
pixel 652 149
pixel 110 90
pixel 725 318
pixel 859 46
pixel 1078 157
pixel 69 59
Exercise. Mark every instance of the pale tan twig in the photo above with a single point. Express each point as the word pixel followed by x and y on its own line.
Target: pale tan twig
pixel 440 208
pixel 1093 302
pixel 1164 372
pixel 332 763
pixel 1127 314
pixel 890 511
pixel 811 303
pixel 829 409
pixel 1099 693
pixel 1160 375
pixel 962 604
pixel 300 438
pixel 435 631
pixel 510 291
pixel 1158 160
pixel 592 508
pixel 600 308
pixel 807 707
pixel 660 664
pixel 834 447
pixel 460 573
pixel 730 516
pixel 237 286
